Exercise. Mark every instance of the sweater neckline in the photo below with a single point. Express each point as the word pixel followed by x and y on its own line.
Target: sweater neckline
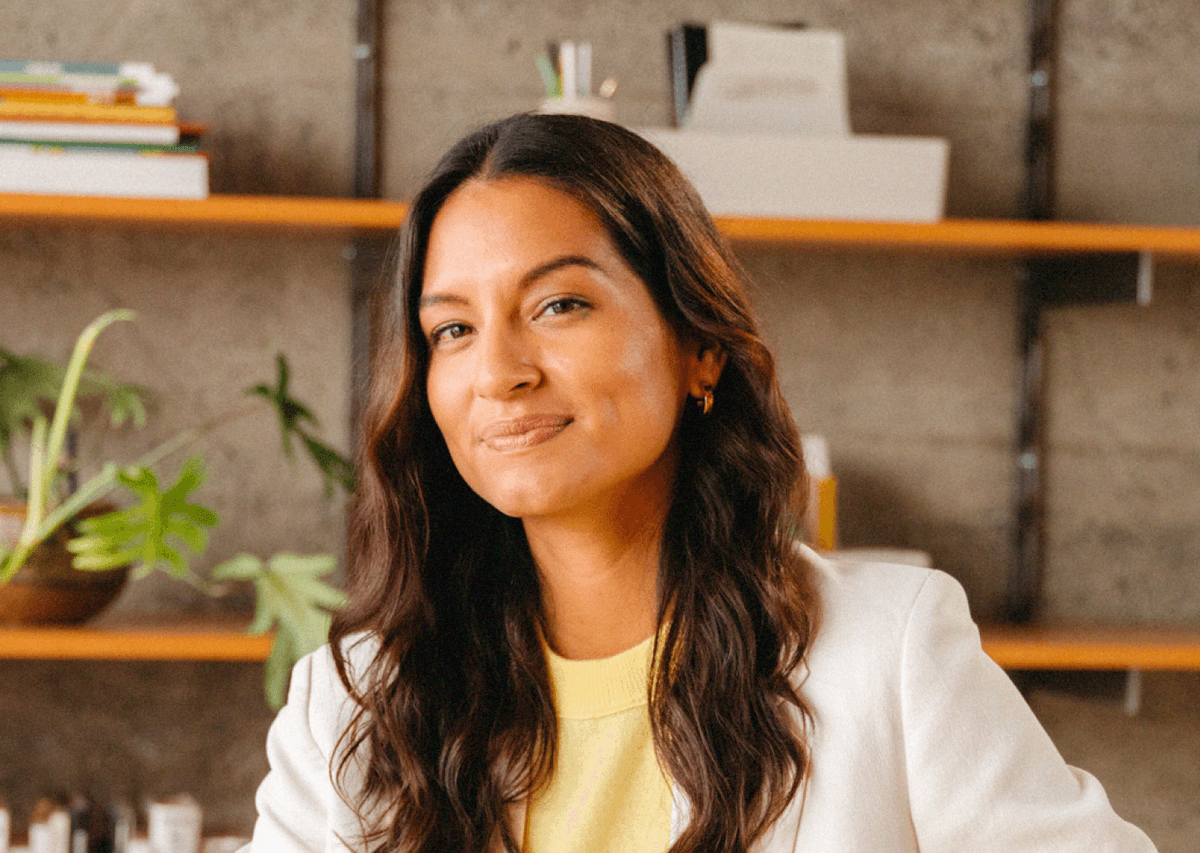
pixel 587 689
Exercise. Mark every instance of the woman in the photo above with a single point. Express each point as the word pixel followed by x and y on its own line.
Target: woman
pixel 577 620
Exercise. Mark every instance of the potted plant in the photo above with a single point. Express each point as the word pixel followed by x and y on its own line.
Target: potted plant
pixel 61 530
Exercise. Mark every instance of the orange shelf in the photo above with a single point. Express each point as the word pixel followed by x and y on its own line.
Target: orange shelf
pixel 214 641
pixel 1011 647
pixel 1116 648
pixel 968 236
pixel 291 213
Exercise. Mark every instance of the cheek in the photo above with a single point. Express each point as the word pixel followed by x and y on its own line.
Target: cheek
pixel 448 413
pixel 646 385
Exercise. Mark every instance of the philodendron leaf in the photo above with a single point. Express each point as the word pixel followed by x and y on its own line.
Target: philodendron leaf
pixel 147 534
pixel 291 411
pixel 126 402
pixel 293 418
pixel 293 600
pixel 334 467
pixel 26 382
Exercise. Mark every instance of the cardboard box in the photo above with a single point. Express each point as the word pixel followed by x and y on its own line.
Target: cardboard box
pixel 863 177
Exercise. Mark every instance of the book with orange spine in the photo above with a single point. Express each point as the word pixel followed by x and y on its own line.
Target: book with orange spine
pixel 110 113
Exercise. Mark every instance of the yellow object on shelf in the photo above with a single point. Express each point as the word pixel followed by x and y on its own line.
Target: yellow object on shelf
pixel 820 514
pixel 826 526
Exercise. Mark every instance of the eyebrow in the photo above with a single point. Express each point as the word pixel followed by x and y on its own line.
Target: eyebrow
pixel 540 271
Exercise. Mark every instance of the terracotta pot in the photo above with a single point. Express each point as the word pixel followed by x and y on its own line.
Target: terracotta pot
pixel 47 590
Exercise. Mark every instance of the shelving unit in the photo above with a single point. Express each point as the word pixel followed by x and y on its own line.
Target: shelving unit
pixel 1038 647
pixel 1014 648
pixel 980 237
pixel 281 213
pixel 1096 648
pixel 194 641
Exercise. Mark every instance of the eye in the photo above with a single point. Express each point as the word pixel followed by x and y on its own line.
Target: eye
pixel 448 332
pixel 562 305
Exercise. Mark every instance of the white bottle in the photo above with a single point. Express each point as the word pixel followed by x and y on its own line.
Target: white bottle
pixel 174 825
pixel 50 829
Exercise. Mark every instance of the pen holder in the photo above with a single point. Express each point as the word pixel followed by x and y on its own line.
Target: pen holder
pixel 600 108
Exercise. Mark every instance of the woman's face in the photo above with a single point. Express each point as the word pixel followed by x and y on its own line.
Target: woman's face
pixel 553 378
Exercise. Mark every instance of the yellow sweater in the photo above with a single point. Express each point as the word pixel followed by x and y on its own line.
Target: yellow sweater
pixel 608 792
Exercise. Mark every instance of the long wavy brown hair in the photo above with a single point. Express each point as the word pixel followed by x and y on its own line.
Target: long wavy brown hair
pixel 454 719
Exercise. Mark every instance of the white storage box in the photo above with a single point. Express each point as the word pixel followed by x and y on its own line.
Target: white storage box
pixel 867 177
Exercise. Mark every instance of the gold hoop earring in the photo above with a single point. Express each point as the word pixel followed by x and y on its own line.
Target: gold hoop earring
pixel 706 402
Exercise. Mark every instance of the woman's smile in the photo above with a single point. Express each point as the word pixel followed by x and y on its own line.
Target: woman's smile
pixel 509 436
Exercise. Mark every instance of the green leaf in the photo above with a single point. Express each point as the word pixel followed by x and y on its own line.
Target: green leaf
pixel 29 385
pixel 293 415
pixel 291 411
pixel 126 403
pixel 26 384
pixel 277 669
pixel 146 533
pixel 333 466
pixel 243 567
pixel 292 599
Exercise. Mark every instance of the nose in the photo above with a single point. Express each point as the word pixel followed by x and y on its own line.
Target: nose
pixel 506 362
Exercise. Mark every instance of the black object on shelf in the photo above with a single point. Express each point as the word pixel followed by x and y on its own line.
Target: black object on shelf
pixel 687 50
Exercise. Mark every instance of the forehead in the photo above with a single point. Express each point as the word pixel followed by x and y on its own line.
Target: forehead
pixel 488 225
pixel 513 193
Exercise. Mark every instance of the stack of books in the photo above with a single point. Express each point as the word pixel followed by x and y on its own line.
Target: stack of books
pixel 96 129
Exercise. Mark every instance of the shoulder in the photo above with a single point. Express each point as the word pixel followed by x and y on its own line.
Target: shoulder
pixel 300 808
pixel 931 740
pixel 875 617
pixel 317 668
pixel 869 601
pixel 318 693
pixel 849 587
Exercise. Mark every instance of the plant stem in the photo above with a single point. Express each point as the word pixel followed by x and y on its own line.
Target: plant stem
pixel 70 387
pixel 215 590
pixel 36 505
pixel 14 473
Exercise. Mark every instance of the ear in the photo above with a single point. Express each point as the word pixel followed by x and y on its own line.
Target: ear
pixel 705 369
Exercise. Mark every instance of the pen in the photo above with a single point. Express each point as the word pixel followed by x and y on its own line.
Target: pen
pixel 584 63
pixel 549 78
pixel 567 68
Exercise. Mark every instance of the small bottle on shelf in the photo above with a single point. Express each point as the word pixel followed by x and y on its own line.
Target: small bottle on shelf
pixel 174 825
pixel 123 822
pixel 50 827
pixel 5 826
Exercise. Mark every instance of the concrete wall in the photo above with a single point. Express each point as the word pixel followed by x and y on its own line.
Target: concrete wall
pixel 907 363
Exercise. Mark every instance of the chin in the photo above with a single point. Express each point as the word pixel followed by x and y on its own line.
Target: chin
pixel 524 500
pixel 521 506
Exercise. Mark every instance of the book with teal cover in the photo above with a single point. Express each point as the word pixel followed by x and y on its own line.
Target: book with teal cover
pixel 182 148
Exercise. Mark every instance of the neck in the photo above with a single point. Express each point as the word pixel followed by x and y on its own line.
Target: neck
pixel 599 577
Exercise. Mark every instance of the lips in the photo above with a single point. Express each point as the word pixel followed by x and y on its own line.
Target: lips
pixel 521 433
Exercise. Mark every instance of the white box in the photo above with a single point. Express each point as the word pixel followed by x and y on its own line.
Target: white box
pixel 865 177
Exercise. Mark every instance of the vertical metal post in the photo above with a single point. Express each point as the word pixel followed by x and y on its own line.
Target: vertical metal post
pixel 1025 580
pixel 364 252
pixel 366 101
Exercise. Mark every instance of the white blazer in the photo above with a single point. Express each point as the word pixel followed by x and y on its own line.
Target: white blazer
pixel 920 742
